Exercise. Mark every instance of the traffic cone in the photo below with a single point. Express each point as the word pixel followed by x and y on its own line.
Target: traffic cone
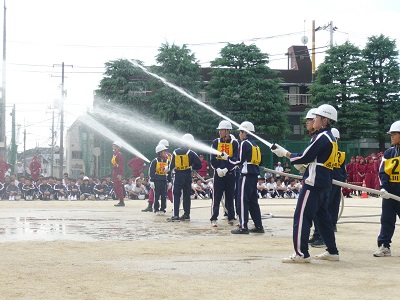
pixel 364 194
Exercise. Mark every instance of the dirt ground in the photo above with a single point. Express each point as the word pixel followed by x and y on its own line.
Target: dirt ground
pixel 93 250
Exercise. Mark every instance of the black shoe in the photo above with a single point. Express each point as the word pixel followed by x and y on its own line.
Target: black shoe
pixel 240 231
pixel 173 219
pixel 185 218
pixel 121 203
pixel 148 208
pixel 318 243
pixel 313 239
pixel 257 230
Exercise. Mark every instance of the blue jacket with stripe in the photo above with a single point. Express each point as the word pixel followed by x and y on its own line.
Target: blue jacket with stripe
pixel 244 157
pixel 316 154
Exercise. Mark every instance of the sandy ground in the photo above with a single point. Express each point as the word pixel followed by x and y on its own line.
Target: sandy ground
pixel 93 250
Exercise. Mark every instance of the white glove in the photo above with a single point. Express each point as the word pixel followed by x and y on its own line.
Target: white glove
pixel 224 171
pixel 300 167
pixel 224 156
pixel 166 169
pixel 169 186
pixel 385 194
pixel 279 151
pixel 220 172
pixel 152 185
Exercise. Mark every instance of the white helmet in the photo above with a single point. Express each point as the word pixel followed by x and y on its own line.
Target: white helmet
pixel 395 127
pixel 247 126
pixel 335 133
pixel 117 143
pixel 311 113
pixel 164 142
pixel 327 111
pixel 85 178
pixel 160 148
pixel 187 138
pixel 224 125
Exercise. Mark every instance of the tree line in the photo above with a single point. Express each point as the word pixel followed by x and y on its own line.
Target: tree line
pixel 363 84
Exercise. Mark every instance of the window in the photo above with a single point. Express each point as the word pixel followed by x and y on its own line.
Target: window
pixel 76 154
pixel 298 129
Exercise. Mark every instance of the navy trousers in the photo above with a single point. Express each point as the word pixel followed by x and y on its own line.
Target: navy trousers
pixel 247 200
pixel 223 185
pixel 182 185
pixel 160 190
pixel 312 203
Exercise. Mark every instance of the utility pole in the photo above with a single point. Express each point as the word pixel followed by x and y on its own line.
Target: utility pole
pixel 52 147
pixel 62 119
pixel 313 51
pixel 331 29
pixel 3 90
pixel 24 151
pixel 13 156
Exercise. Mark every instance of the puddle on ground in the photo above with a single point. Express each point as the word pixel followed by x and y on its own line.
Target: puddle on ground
pixel 51 225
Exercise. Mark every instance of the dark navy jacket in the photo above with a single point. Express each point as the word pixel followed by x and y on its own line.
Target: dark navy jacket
pixel 220 163
pixel 194 162
pixel 316 154
pixel 244 157
pixel 152 170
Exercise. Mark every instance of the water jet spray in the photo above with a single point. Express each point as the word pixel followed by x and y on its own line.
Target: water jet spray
pixel 186 94
pixel 104 131
pixel 135 121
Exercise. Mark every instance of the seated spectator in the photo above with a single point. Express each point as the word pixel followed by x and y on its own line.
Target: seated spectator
pixel 12 191
pixel 261 188
pixel 129 189
pixel 5 185
pixel 208 187
pixel 199 192
pixel 271 188
pixel 86 189
pixel 138 191
pixel 60 191
pixel 101 190
pixel 46 191
pixel 73 190
pixel 292 189
pixel 146 184
pixel 29 190
pixel 280 188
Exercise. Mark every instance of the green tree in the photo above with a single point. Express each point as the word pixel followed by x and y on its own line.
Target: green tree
pixel 180 67
pixel 381 57
pixel 123 84
pixel 341 82
pixel 243 88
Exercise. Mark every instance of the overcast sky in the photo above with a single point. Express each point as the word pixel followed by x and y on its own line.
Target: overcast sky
pixel 41 34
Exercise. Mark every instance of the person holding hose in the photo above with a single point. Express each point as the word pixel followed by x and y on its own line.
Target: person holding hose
pixel 389 177
pixel 321 155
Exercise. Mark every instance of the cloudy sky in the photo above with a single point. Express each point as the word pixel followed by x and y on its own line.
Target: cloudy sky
pixel 84 34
